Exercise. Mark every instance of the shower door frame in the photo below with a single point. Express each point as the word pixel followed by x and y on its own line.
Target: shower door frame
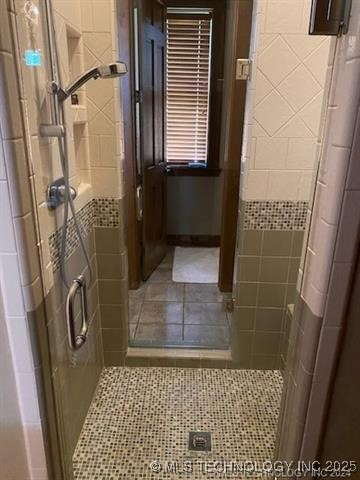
pixel 232 133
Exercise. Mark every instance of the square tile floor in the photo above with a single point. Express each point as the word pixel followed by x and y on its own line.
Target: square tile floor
pixel 144 415
pixel 165 313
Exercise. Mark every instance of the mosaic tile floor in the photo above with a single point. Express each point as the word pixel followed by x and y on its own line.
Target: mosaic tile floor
pixel 144 415
pixel 166 313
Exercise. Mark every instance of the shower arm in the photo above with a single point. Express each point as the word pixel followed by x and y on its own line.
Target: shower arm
pixel 63 94
pixel 111 70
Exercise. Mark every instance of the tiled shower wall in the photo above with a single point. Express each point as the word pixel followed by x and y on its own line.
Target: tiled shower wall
pixel 267 268
pixel 287 87
pixel 282 123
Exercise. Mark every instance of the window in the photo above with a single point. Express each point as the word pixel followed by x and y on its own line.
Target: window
pixel 188 67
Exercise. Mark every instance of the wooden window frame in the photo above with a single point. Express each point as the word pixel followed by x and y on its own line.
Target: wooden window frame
pixel 216 91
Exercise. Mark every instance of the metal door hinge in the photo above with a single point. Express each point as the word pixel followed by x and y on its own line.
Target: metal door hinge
pixel 243 69
pixel 138 96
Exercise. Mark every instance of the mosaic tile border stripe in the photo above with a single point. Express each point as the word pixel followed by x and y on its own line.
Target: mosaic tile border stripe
pixel 99 212
pixel 107 212
pixel 274 215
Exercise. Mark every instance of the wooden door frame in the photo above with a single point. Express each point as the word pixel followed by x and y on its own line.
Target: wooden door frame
pixel 232 137
pixel 232 130
pixel 124 11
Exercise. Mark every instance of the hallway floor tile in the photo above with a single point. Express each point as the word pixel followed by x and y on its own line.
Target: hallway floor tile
pixel 164 313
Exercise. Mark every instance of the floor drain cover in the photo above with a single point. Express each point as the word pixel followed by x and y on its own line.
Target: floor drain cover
pixel 200 441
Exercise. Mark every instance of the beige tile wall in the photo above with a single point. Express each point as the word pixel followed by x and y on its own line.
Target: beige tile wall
pixel 103 100
pixel 85 32
pixel 284 103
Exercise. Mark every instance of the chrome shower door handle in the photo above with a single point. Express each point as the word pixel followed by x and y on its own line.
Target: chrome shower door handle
pixel 77 340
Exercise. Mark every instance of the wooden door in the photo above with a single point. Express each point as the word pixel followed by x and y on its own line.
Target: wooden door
pixel 152 131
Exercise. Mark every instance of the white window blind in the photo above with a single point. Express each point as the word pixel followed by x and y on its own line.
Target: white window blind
pixel 188 83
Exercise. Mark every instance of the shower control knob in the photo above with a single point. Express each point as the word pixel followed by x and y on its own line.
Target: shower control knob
pixel 56 193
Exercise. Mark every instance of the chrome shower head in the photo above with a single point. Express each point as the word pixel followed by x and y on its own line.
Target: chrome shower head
pixel 111 70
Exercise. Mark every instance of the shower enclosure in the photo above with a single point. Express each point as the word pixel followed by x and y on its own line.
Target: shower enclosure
pixel 73 136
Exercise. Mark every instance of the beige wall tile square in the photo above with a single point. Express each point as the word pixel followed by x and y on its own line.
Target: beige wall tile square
pixel 265 40
pixel 257 130
pixel 303 44
pixel 301 154
pixel 252 152
pixel 317 61
pixel 299 87
pixel 257 185
pixel 271 153
pixel 283 185
pixel 262 86
pixel 70 11
pixel 101 125
pixel 273 112
pixel 284 16
pixel 94 147
pixel 101 15
pixel 277 61
pixel 105 182
pixel 97 43
pixel 295 127
pixel 100 92
pixel 311 113
pixel 305 186
pixel 108 150
pixel 87 15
